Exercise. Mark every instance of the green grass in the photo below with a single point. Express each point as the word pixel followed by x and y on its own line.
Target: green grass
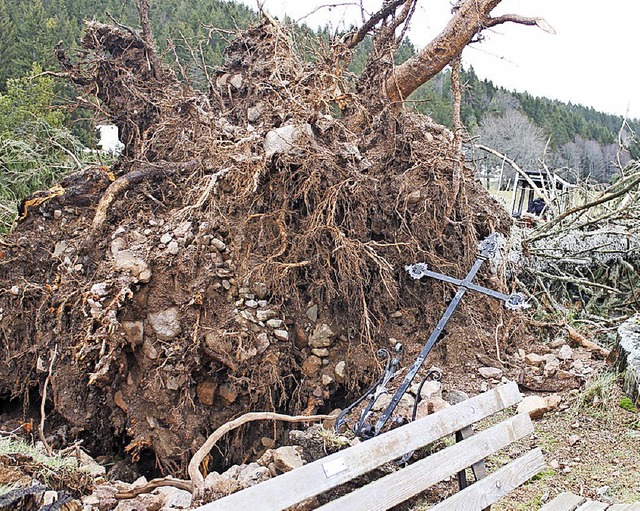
pixel 627 404
pixel 54 463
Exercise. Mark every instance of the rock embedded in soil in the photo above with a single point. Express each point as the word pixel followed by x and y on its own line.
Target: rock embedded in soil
pixel 128 261
pixel 228 393
pixel 133 332
pixel 206 392
pixel 286 139
pixel 533 359
pixel 312 313
pixel 165 323
pixel 453 397
pixel 281 335
pixel 565 352
pixel 430 389
pixel 490 373
pixel 265 315
pixel 322 336
pixel 287 458
pixel 320 352
pixel 311 366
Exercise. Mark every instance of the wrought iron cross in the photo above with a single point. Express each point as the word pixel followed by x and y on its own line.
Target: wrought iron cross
pixel 486 249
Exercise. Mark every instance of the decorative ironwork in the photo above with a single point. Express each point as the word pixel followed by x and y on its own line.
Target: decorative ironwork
pixel 486 249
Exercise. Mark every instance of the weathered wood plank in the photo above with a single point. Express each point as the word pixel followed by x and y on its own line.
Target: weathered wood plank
pixel 592 505
pixel 395 488
pixel 312 479
pixel 488 490
pixel 564 502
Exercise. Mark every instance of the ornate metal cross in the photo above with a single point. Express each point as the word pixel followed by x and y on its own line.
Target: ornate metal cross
pixel 486 249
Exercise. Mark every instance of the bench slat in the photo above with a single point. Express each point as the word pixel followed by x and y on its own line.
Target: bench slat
pixel 397 487
pixel 592 505
pixel 485 492
pixel 564 502
pixel 322 475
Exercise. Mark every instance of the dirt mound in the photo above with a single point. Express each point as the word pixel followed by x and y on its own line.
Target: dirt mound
pixel 245 253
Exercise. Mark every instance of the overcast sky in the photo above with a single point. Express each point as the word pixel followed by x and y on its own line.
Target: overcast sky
pixel 590 60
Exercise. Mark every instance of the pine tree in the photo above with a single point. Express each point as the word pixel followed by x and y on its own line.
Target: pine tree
pixel 7 42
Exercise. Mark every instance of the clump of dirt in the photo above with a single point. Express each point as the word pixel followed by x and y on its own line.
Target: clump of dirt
pixel 245 253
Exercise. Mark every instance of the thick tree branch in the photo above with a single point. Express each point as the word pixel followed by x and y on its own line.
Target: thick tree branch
pixel 469 19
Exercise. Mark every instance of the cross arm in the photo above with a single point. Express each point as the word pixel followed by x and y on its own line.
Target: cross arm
pixel 513 301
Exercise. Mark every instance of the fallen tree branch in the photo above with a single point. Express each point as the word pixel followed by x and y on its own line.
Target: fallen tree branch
pixel 633 181
pixel 520 171
pixel 152 485
pixel 194 465
pixel 581 340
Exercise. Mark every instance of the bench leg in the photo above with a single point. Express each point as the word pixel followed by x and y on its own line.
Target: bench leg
pixel 479 468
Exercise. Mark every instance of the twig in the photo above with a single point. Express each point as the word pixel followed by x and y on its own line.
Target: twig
pixel 44 400
pixel 387 10
pixel 194 465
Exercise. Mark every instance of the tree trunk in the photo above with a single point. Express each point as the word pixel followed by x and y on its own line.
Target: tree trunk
pixel 470 17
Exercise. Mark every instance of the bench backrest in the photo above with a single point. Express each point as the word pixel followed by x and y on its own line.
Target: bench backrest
pixel 324 474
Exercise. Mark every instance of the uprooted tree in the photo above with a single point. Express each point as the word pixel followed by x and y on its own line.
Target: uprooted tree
pixel 246 251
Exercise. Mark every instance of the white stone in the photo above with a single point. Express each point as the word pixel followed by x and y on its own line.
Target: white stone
pixel 431 388
pixel 565 352
pixel 219 244
pixel 173 247
pixel 286 139
pixel 281 335
pixel 537 406
pixel 175 498
pixel 165 323
pixel 490 372
pixel 265 315
pixel 275 323
pixel 128 261
pixel 166 238
pixel 100 289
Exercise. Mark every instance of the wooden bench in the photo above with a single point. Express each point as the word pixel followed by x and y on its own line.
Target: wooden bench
pixel 570 502
pixel 327 473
